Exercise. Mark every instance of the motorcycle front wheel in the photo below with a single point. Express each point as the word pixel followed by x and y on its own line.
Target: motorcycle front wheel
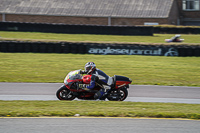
pixel 64 94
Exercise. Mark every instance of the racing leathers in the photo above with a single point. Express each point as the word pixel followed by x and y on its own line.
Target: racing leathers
pixel 99 78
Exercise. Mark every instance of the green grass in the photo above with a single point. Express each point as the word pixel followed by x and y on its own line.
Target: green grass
pixel 151 70
pixel 157 38
pixel 176 26
pixel 98 108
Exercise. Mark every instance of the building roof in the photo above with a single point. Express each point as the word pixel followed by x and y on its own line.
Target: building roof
pixel 89 8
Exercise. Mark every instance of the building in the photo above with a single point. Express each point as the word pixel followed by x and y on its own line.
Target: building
pixel 189 12
pixel 102 12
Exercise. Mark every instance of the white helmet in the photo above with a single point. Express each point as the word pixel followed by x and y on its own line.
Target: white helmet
pixel 90 67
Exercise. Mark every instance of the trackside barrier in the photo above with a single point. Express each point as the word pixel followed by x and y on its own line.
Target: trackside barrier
pixel 76 29
pixel 176 30
pixel 99 48
pixel 95 29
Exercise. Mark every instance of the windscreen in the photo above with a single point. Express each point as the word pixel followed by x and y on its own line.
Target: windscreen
pixel 73 75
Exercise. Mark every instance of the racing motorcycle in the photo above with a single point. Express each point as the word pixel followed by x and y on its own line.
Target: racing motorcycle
pixel 70 90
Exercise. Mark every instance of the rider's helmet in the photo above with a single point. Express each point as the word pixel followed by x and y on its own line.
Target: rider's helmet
pixel 90 67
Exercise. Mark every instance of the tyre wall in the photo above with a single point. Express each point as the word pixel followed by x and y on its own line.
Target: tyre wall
pixel 95 29
pixel 77 29
pixel 166 30
pixel 99 48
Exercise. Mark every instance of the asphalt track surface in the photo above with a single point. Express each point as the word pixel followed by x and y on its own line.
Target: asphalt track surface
pixel 97 125
pixel 137 93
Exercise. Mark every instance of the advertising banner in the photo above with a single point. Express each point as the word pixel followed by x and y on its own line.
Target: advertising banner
pixel 126 50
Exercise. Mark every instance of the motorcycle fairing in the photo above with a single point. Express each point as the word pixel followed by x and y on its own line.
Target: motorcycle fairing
pixel 121 81
pixel 73 75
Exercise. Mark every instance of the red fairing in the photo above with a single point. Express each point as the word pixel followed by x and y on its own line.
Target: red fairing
pixel 69 80
pixel 120 84
pixel 86 79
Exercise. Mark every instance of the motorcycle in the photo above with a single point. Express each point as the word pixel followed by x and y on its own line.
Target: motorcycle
pixel 175 38
pixel 70 90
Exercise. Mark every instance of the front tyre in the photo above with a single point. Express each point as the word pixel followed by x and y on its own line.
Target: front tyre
pixel 64 94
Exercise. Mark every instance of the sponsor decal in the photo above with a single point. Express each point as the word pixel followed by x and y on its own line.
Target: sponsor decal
pixel 109 50
pixel 134 51
pixel 171 52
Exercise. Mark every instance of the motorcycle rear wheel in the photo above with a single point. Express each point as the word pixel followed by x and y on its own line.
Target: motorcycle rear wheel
pixel 123 92
pixel 64 94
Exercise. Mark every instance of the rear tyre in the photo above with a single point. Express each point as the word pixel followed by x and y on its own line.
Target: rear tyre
pixel 123 94
pixel 65 94
pixel 118 95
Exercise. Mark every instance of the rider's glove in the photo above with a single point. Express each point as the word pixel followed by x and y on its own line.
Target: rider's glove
pixel 82 72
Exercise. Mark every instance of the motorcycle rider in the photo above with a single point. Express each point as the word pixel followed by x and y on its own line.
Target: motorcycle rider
pixel 98 78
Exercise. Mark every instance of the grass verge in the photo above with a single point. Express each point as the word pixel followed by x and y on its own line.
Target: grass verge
pixel 37 36
pixel 98 109
pixel 151 70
